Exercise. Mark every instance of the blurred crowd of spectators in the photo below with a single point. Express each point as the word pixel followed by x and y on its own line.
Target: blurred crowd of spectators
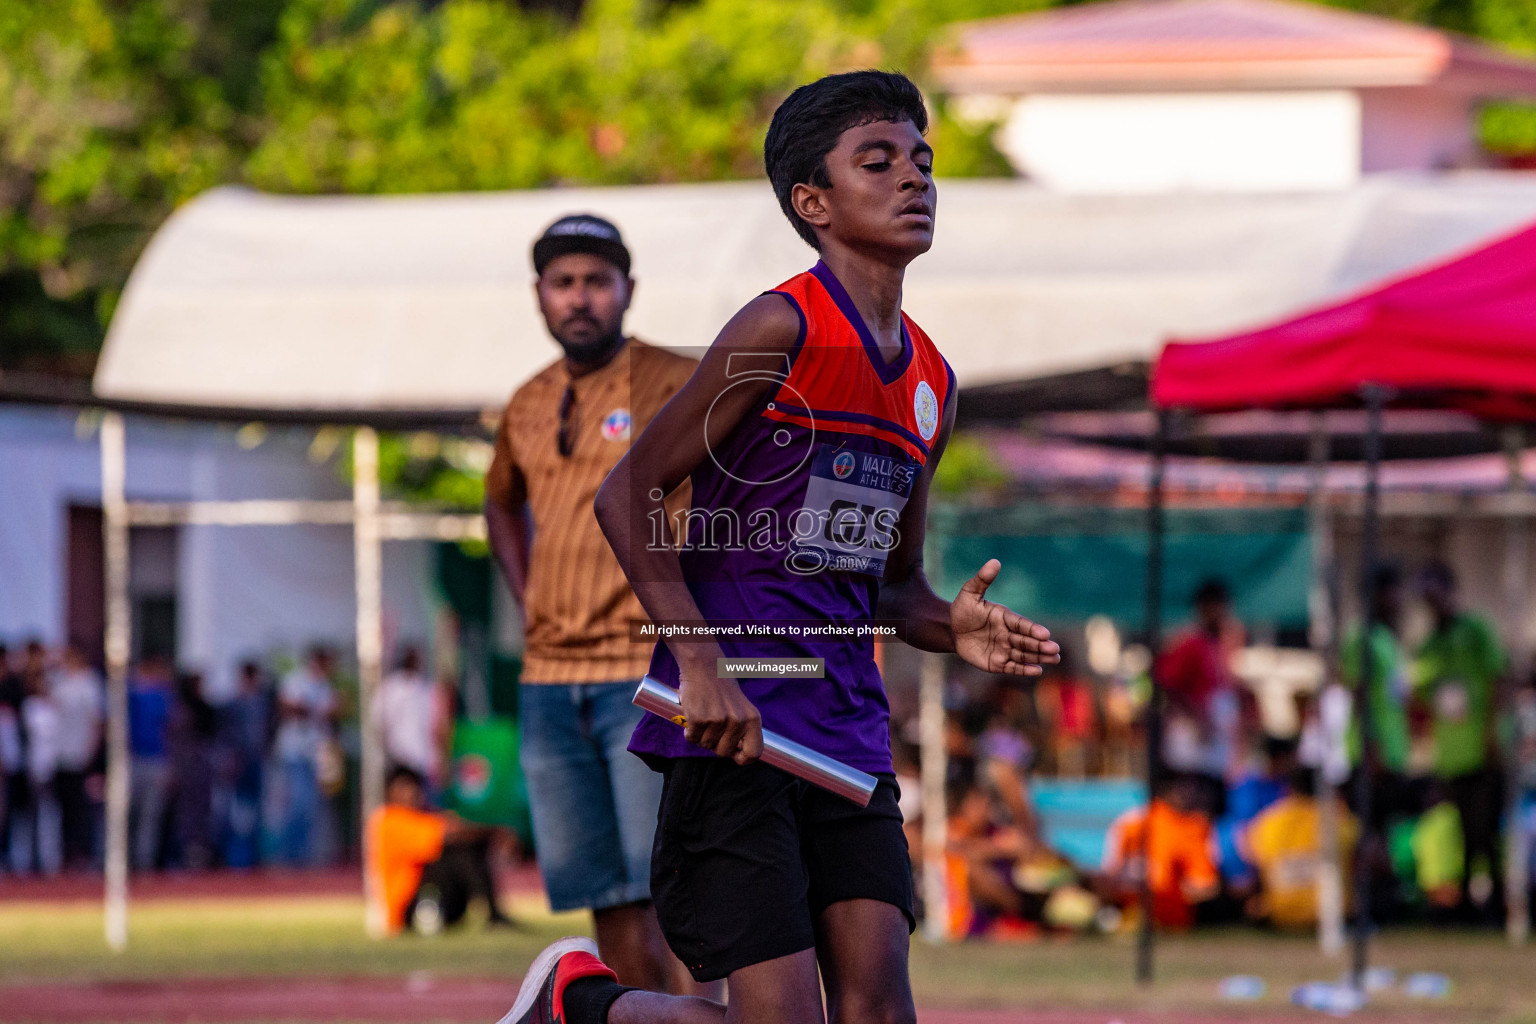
pixel 1242 822
pixel 259 777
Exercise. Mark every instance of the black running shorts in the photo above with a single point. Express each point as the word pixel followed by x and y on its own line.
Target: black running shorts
pixel 746 859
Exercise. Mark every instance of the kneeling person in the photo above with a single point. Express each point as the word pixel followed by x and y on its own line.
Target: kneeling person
pixel 428 865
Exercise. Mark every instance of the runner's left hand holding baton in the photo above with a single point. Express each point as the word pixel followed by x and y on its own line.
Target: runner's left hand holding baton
pixel 792 757
pixel 719 715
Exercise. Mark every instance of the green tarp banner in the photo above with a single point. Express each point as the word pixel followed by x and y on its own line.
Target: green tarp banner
pixel 1063 564
pixel 485 784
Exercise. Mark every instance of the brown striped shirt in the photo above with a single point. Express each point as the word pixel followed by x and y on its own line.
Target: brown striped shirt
pixel 578 603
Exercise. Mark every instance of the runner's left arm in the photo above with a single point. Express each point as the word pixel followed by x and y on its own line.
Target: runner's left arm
pixel 985 634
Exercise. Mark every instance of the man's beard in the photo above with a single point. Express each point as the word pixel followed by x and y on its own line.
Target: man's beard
pixel 594 352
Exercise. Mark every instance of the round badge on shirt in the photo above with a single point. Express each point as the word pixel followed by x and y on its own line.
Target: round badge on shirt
pixel 925 406
pixel 616 425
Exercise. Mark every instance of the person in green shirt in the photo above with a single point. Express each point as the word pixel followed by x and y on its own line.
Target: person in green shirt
pixel 1457 675
pixel 1388 690
pixel 1392 798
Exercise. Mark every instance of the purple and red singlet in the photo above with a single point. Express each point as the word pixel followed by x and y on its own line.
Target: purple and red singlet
pixel 795 512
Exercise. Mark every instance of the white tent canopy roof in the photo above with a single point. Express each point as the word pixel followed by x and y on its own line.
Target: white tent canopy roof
pixel 359 304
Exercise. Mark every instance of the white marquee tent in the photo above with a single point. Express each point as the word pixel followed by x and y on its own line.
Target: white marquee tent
pixel 352 304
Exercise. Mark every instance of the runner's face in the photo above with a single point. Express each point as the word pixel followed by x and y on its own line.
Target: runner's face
pixel 584 299
pixel 882 196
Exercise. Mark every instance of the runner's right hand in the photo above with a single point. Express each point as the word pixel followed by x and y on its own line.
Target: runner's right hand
pixel 720 718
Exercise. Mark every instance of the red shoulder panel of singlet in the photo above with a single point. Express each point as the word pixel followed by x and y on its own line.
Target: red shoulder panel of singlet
pixel 840 382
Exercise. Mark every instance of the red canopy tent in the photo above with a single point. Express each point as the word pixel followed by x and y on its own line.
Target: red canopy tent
pixel 1459 334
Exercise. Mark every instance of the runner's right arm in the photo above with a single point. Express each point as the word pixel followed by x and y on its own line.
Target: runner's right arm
pixel 680 437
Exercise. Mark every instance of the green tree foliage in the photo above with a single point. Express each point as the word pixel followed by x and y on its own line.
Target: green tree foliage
pixel 1507 128
pixel 479 95
pixel 112 112
pixel 969 469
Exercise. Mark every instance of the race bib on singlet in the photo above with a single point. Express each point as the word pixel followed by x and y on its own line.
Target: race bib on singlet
pixel 1452 702
pixel 853 501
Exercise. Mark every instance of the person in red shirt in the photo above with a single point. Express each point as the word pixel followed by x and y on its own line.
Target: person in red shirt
pixel 1202 730
pixel 427 865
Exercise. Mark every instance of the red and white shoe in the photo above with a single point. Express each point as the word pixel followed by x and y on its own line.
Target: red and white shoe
pixel 541 999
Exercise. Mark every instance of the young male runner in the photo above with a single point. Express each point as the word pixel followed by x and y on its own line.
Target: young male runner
pixel 810 430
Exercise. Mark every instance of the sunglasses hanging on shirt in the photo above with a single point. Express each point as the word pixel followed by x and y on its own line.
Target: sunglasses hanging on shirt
pixel 565 440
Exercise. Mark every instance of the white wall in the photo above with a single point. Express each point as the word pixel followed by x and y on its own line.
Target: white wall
pixel 1162 142
pixel 241 590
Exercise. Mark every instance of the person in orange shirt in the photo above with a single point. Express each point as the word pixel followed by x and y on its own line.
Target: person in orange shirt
pixel 1177 856
pixel 428 865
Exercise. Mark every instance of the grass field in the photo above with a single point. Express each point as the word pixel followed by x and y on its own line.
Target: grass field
pixel 321 937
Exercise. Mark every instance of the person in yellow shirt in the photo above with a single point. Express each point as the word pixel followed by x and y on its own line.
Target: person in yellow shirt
pixel 427 865
pixel 1284 843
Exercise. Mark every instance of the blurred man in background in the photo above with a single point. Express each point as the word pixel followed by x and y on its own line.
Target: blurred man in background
pixel 1386 694
pixel 412 720
pixel 1457 674
pixel 1201 735
pixel 193 731
pixel 13 778
pixel 245 724
pixel 150 780
pixel 77 692
pixel 593 803
pixel 39 844
pixel 306 709
pixel 1386 764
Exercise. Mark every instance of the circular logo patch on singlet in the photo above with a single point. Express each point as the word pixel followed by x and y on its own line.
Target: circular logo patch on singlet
pixel 842 465
pixel 616 425
pixel 926 408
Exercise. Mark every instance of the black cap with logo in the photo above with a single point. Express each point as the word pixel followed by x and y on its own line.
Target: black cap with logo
pixel 581 232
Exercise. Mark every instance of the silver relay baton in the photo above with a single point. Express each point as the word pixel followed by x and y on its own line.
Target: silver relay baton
pixel 801 761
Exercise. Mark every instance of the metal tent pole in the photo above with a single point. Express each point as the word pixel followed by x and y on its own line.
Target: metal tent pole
pixel 114 509
pixel 933 771
pixel 1324 641
pixel 1516 556
pixel 1154 629
pixel 367 544
pixel 1375 398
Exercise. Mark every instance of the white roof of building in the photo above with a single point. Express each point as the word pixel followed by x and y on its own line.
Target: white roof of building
pixel 354 304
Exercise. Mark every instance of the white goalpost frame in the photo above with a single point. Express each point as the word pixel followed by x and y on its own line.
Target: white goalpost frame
pixel 373 522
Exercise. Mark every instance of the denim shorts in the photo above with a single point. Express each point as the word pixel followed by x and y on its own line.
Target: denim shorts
pixel 594 803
